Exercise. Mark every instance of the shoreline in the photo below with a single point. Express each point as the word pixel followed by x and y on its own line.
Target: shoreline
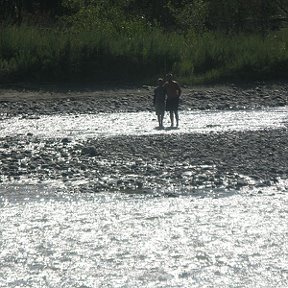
pixel 149 164
pixel 229 160
pixel 133 99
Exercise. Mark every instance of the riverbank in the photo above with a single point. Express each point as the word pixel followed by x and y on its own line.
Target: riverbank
pixel 151 163
pixel 54 99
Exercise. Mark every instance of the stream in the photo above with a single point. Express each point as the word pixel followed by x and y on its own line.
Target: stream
pixel 142 123
pixel 53 237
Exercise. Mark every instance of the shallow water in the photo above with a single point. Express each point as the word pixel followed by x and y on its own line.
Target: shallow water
pixel 51 237
pixel 141 123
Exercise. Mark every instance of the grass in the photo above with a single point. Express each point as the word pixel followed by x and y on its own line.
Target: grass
pixel 34 54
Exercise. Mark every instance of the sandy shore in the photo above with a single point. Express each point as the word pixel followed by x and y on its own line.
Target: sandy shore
pixel 187 162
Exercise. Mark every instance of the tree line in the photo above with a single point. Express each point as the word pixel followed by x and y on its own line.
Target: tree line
pixel 229 16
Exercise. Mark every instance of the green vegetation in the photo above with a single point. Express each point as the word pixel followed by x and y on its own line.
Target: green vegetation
pixel 93 43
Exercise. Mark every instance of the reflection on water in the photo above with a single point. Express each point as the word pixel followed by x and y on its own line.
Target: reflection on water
pixel 50 237
pixel 141 123
pixel 114 240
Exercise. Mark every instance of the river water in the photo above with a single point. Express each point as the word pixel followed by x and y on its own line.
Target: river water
pixel 142 123
pixel 52 238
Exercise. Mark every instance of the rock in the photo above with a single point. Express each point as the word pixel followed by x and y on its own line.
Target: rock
pixel 6 145
pixel 65 140
pixel 241 183
pixel 89 151
pixel 139 184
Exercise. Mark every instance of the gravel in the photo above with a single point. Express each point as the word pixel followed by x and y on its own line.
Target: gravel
pixel 157 164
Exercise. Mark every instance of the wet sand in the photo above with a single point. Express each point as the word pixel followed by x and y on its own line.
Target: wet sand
pixel 174 162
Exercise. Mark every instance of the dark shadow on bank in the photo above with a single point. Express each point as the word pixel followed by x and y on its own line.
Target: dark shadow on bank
pixel 171 128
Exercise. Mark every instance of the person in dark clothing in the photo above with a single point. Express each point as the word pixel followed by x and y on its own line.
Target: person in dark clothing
pixel 159 101
pixel 173 92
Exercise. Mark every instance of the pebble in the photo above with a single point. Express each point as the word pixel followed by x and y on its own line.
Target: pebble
pixel 213 156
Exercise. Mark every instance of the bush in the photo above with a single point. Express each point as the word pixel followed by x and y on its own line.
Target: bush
pixel 136 51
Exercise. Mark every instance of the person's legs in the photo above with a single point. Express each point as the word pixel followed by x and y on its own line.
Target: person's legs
pixel 159 119
pixel 171 118
pixel 177 117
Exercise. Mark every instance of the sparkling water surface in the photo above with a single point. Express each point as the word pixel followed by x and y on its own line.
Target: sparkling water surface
pixel 142 123
pixel 51 237
pixel 115 240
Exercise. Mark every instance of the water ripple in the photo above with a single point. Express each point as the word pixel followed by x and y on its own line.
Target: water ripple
pixel 115 240
pixel 141 123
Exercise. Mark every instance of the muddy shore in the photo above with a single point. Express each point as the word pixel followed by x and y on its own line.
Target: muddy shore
pixel 186 162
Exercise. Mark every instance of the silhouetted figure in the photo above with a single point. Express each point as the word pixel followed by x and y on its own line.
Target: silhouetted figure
pixel 173 92
pixel 159 101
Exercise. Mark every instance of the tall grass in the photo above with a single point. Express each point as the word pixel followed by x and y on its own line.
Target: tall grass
pixel 214 56
pixel 34 54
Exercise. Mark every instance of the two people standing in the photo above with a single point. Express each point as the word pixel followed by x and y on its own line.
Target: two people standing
pixel 166 97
